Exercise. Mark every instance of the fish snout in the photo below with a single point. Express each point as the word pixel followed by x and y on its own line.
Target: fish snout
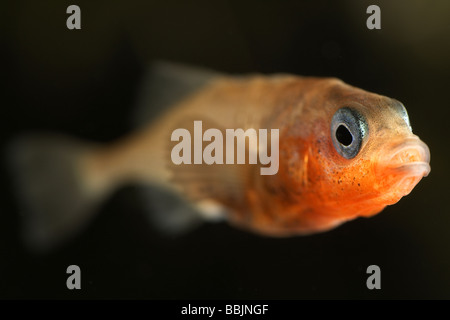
pixel 404 165
pixel 410 157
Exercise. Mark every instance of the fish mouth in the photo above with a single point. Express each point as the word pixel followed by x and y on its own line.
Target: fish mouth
pixel 410 157
pixel 404 165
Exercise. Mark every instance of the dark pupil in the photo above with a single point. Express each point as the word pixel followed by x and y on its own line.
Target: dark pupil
pixel 344 136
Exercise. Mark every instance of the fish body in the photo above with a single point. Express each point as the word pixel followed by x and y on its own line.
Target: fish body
pixel 342 153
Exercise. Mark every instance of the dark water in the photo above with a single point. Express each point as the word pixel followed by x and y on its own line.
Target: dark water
pixel 85 82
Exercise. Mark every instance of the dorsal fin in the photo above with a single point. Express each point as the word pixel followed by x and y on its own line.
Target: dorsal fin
pixel 165 84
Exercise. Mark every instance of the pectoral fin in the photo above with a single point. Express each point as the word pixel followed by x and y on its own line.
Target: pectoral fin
pixel 214 188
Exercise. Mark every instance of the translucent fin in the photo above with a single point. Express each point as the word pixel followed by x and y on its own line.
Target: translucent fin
pixel 54 203
pixel 169 213
pixel 166 84
pixel 210 187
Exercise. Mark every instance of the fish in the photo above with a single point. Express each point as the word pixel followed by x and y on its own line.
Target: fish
pixel 342 153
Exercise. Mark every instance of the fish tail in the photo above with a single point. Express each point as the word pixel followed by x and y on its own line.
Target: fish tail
pixel 56 197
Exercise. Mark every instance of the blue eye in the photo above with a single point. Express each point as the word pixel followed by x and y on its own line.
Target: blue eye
pixel 348 131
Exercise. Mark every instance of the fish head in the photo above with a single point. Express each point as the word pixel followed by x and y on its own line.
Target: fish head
pixel 362 154
pixel 399 158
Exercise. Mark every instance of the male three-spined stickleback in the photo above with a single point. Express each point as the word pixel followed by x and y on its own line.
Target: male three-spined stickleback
pixel 343 153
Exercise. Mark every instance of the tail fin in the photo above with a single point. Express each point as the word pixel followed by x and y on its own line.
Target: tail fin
pixel 54 199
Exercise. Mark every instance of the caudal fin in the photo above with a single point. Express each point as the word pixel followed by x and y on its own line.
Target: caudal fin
pixel 54 201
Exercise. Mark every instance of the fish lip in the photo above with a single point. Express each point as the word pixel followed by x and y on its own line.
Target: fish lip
pixel 402 166
pixel 417 168
pixel 410 157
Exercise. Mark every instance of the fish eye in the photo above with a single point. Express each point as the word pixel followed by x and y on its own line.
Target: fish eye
pixel 348 131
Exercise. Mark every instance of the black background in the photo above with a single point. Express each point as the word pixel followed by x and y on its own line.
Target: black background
pixel 85 83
